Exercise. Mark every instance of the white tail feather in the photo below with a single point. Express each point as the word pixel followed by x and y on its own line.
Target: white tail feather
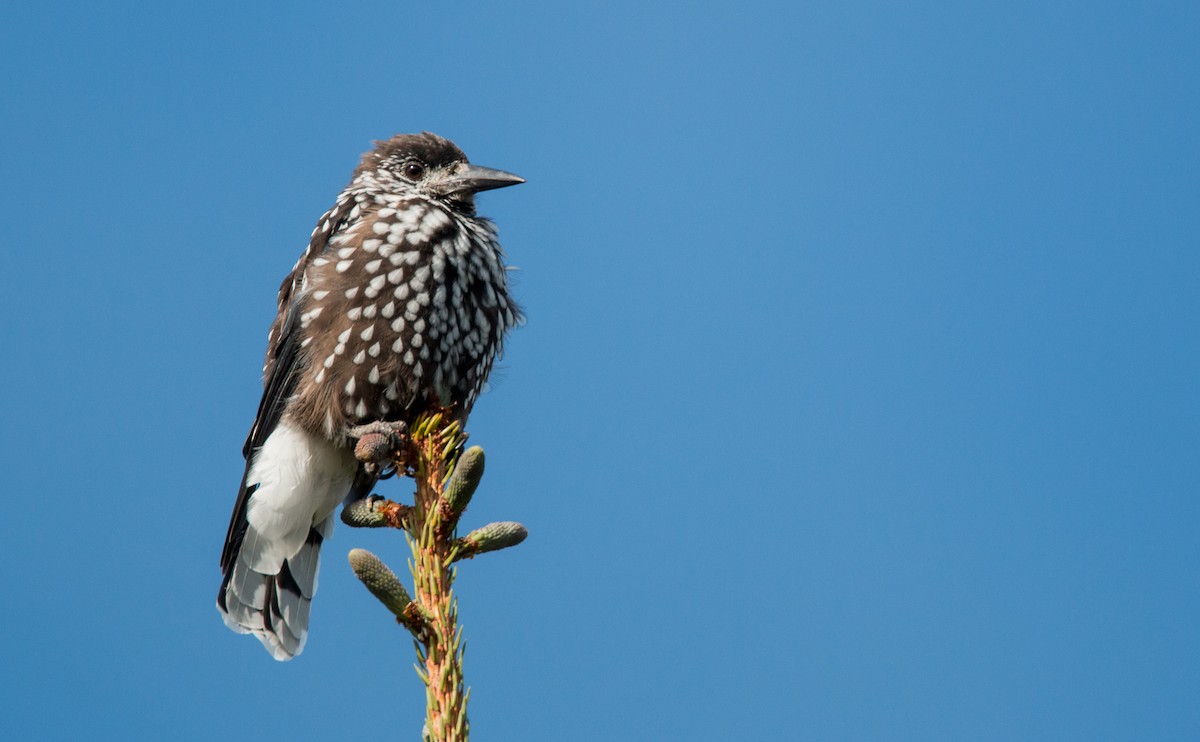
pixel 300 480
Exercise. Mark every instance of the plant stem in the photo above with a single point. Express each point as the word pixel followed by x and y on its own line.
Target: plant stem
pixel 446 476
pixel 436 446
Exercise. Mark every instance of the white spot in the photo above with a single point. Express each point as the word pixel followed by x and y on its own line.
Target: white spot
pixel 361 409
pixel 435 218
pixel 378 281
pixel 388 310
pixel 328 361
pixel 320 376
pixel 412 308
pixel 350 386
pixel 412 257
pixel 319 262
pixel 398 345
pixel 408 357
pixel 373 376
pixel 380 227
pixel 352 292
pixel 360 356
pixel 368 333
pixel 417 369
pixel 373 266
pixel 425 352
pixel 396 276
pixel 401 292
pixel 373 351
pixel 369 311
pixel 354 313
pixel 371 245
pixel 305 342
pixel 343 266
pixel 386 212
pixel 419 325
pixel 416 341
pixel 349 406
pixel 398 324
pixel 344 336
pixel 319 295
pixel 345 252
pixel 339 349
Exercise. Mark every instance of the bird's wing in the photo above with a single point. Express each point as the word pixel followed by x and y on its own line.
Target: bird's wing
pixel 279 385
pixel 332 222
pixel 281 364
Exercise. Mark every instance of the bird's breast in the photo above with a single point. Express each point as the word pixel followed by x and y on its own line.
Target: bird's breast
pixel 405 308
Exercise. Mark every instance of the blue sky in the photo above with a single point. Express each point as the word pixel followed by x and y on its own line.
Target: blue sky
pixel 858 398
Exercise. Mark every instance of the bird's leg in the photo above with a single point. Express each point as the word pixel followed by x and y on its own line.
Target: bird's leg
pixel 379 444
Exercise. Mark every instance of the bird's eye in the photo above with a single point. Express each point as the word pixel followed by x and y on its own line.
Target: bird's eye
pixel 414 170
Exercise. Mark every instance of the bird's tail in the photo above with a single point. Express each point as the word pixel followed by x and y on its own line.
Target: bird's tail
pixel 275 607
pixel 292 486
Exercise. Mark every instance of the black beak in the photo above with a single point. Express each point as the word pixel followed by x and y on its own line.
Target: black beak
pixel 473 179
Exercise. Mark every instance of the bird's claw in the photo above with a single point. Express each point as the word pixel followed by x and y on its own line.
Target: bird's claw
pixel 379 444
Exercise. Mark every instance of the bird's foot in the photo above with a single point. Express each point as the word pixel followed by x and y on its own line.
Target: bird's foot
pixel 374 511
pixel 379 445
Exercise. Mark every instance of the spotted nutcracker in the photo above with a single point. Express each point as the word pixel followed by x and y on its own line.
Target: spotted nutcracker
pixel 399 303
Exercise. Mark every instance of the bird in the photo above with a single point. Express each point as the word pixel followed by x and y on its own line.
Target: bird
pixel 400 304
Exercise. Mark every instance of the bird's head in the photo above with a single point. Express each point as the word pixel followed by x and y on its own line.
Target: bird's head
pixel 428 165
